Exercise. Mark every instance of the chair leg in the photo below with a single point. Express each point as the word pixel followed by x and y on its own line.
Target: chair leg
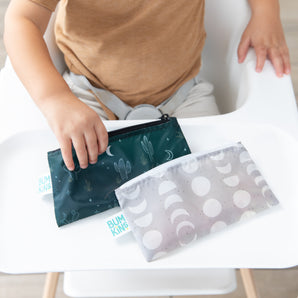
pixel 51 285
pixel 248 282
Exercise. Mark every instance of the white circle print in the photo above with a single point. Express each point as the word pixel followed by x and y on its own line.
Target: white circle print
pixel 200 186
pixel 212 208
pixel 218 226
pixel 241 198
pixel 152 239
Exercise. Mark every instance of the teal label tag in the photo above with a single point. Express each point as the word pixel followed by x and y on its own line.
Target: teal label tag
pixel 117 225
pixel 45 184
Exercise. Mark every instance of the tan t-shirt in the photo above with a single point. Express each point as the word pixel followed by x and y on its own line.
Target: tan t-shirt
pixel 141 50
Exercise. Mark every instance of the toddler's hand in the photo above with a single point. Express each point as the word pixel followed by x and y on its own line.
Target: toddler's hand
pixel 265 34
pixel 74 123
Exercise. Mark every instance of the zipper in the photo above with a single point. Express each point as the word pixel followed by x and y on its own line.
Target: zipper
pixel 163 119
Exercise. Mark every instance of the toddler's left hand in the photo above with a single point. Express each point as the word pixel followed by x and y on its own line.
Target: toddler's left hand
pixel 265 34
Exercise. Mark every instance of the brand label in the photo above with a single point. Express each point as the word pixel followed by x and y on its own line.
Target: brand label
pixel 117 225
pixel 45 184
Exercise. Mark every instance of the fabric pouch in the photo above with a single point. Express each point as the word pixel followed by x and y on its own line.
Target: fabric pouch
pixel 192 196
pixel 131 152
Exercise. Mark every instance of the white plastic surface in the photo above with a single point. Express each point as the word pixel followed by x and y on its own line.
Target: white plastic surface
pixel 260 111
pixel 131 283
pixel 32 242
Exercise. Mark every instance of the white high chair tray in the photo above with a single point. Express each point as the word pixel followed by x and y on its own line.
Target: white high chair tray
pixel 32 242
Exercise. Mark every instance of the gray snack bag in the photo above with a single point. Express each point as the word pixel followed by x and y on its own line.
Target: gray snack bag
pixel 192 196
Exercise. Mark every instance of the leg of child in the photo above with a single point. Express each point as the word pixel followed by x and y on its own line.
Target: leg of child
pixel 200 102
pixel 86 97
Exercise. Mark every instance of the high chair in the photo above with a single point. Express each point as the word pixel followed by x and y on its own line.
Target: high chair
pixel 258 109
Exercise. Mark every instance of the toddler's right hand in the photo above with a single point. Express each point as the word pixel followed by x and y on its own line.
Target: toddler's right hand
pixel 74 123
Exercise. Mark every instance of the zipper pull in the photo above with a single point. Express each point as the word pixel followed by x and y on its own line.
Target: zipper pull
pixel 165 117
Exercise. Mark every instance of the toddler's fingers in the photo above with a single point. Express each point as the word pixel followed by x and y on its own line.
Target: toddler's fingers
pixel 92 146
pixel 81 150
pixel 277 61
pixel 261 53
pixel 102 137
pixel 243 49
pixel 286 61
pixel 66 151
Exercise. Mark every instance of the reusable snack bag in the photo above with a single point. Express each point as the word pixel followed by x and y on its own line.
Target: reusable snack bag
pixel 187 198
pixel 131 152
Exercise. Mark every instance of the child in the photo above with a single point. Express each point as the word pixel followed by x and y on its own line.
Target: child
pixel 142 51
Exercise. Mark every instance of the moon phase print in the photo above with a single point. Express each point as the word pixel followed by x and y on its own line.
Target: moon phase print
pixel 185 199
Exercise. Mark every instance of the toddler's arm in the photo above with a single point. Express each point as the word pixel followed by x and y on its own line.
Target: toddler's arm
pixel 73 122
pixel 265 34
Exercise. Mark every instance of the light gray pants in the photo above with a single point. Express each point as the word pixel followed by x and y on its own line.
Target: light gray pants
pixel 199 102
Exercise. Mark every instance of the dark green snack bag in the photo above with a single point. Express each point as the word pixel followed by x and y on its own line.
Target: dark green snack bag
pixel 131 151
